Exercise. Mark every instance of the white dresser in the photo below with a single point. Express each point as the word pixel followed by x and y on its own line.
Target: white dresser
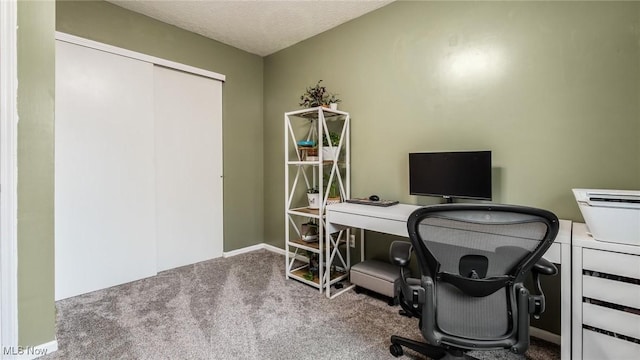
pixel 605 298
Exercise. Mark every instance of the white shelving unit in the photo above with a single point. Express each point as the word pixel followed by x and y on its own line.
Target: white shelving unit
pixel 321 172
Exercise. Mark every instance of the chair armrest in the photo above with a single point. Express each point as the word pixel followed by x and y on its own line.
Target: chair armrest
pixel 411 297
pixel 537 301
pixel 400 253
pixel 544 267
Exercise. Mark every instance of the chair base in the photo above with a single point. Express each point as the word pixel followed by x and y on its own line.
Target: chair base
pixel 431 351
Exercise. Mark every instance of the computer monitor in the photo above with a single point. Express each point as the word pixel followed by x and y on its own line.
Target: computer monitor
pixel 458 174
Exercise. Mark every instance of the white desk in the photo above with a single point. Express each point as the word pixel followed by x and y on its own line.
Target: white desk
pixel 389 220
pixel 393 220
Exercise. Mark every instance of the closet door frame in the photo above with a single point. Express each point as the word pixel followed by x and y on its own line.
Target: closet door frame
pixel 138 56
pixel 8 174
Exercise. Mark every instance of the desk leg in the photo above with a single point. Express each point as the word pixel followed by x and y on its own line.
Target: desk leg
pixel 348 251
pixel 331 254
pixel 361 244
pixel 327 249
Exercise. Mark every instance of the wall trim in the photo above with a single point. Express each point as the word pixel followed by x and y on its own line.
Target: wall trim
pixel 8 174
pixel 243 250
pixel 256 247
pixel 263 246
pixel 274 249
pixel 136 55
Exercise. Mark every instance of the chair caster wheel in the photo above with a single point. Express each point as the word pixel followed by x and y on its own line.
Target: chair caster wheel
pixel 396 350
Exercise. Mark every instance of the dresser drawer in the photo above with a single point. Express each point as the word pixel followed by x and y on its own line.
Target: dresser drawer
pixel 596 346
pixel 615 292
pixel 620 322
pixel 611 263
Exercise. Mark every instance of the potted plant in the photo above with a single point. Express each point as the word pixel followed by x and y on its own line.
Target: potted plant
pixel 314 96
pixel 333 101
pixel 314 266
pixel 313 196
pixel 333 197
pixel 330 153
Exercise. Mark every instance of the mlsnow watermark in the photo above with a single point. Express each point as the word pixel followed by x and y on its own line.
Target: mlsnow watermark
pixel 24 351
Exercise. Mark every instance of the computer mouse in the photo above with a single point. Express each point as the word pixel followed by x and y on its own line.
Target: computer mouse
pixel 374 198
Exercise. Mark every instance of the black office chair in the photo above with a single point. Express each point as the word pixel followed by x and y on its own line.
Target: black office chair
pixel 473 260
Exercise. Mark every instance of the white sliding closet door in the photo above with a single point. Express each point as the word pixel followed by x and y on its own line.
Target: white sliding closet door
pixel 188 147
pixel 104 170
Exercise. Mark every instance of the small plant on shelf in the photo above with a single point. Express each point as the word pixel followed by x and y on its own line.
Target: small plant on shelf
pixel 314 96
pixel 333 98
pixel 313 197
pixel 333 190
pixel 308 276
pixel 334 137
pixel 330 153
pixel 333 196
pixel 313 266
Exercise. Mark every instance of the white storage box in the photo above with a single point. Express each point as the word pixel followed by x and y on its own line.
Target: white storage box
pixel 377 276
pixel 611 215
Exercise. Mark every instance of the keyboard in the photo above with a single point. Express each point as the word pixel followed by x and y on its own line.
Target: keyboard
pixel 383 203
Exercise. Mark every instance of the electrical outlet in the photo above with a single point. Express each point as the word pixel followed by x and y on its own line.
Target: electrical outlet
pixel 352 241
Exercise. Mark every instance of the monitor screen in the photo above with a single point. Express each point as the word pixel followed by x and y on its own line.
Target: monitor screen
pixel 460 174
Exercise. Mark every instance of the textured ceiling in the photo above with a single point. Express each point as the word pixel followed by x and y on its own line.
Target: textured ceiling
pixel 260 27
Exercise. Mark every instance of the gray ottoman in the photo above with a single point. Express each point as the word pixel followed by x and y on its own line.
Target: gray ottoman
pixel 380 277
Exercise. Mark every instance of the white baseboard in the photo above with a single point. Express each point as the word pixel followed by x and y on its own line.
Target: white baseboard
pixel 262 246
pixel 544 335
pixel 251 248
pixel 243 250
pixel 274 249
pixel 29 352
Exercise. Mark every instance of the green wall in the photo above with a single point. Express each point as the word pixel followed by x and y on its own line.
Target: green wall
pixel 550 87
pixel 36 86
pixel 241 98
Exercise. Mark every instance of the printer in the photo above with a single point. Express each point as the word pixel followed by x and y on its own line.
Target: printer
pixel 611 215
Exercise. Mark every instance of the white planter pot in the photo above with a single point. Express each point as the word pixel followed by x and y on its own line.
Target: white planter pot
pixel 314 200
pixel 333 106
pixel 329 153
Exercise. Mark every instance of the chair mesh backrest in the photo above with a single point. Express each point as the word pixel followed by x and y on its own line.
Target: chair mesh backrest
pixel 504 240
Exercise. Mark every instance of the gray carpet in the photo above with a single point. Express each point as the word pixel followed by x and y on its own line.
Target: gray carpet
pixel 235 308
